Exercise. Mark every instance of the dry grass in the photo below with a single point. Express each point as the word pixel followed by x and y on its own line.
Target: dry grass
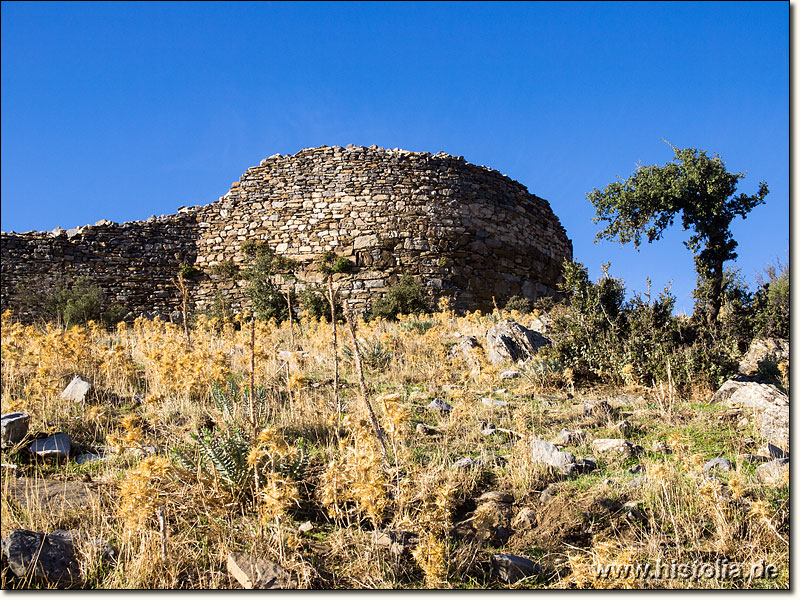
pixel 174 526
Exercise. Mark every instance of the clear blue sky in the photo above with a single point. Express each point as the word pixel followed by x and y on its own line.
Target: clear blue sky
pixel 125 110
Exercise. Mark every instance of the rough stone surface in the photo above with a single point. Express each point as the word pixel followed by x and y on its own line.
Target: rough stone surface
pixel 541 324
pixel 545 453
pixel 77 390
pixel 718 464
pixel 44 559
pixel 467 232
pixel 440 405
pixel 774 472
pixel 496 496
pixel 525 519
pixel 618 447
pixel 492 403
pixel 549 492
pixel 508 341
pixel 570 437
pixel 398 542
pixel 775 426
pixel 466 463
pixel 510 374
pixel 763 351
pixel 54 497
pixel 753 394
pixel 56 446
pixel 729 387
pixel 509 568
pixel 14 428
pixel 254 573
pixel 468 349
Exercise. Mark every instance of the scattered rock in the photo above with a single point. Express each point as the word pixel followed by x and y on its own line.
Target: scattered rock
pixel 509 568
pixel 753 459
pixel 570 437
pixel 754 394
pixel 418 396
pixel 77 390
pixel 637 482
pixel 774 472
pixel 49 558
pixel 619 447
pixel 549 492
pixel 489 429
pixel 495 496
pixel 718 464
pixel 492 403
pixel 397 541
pixel 632 512
pixel 542 324
pixel 763 352
pixel 305 527
pixel 772 451
pixel 424 429
pixel 440 405
pixel 545 453
pixel 511 374
pixel 466 463
pixel 14 428
pixel 56 498
pixel 56 446
pixel 469 349
pixel 662 447
pixel 775 426
pixel 636 470
pixel 89 457
pixel 624 427
pixel 598 408
pixel 585 465
pixel 508 341
pixel 255 573
pixel 525 519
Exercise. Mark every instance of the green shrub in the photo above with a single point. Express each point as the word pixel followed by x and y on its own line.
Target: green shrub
pixel 418 326
pixel 66 301
pixel 330 263
pixel 314 299
pixel 227 269
pixel 405 297
pixel 267 299
pixel 771 303
pixel 189 271
pixel 520 304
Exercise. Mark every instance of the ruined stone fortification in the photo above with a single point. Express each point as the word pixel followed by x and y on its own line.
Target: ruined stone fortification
pixel 465 231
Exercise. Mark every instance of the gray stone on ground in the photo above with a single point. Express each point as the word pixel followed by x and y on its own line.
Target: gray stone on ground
pixel 660 446
pixel 509 568
pixel 468 349
pixel 549 492
pixel 754 459
pixel 492 403
pixel 775 426
pixel 466 463
pixel 424 429
pixel 585 465
pixel 718 464
pixel 570 437
pixel 54 497
pixel 496 496
pixel 254 573
pixel 545 453
pixel 754 394
pixel 440 405
pixel 774 472
pixel 624 426
pixel 56 446
pixel 768 350
pixel 48 558
pixel 618 447
pixel 398 542
pixel 525 519
pixel 508 341
pixel 14 428
pixel 772 451
pixel 541 324
pixel 510 374
pixel 598 408
pixel 77 390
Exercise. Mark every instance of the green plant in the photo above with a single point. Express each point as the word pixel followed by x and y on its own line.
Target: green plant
pixel 698 187
pixel 405 297
pixel 520 304
pixel 189 270
pixel 330 263
pixel 418 326
pixel 314 299
pixel 374 355
pixel 227 269
pixel 267 299
pixel 771 302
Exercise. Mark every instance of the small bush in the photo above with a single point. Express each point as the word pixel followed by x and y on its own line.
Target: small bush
pixel 520 304
pixel 189 271
pixel 314 300
pixel 405 297
pixel 227 269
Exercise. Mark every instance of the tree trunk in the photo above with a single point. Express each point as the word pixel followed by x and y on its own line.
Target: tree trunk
pixel 715 297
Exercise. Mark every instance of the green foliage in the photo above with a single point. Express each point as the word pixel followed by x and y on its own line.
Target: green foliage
pixel 67 302
pixel 697 187
pixel 189 271
pixel 418 326
pixel 520 304
pixel 405 297
pixel 771 303
pixel 314 299
pixel 330 263
pixel 374 355
pixel 227 269
pixel 267 299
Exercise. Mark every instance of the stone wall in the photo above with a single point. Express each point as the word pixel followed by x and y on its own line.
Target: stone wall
pixel 465 231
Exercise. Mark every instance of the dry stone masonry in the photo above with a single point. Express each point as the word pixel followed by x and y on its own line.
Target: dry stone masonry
pixel 465 231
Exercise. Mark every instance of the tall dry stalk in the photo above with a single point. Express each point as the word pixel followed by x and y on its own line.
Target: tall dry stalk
pixel 252 374
pixel 357 354
pixel 331 299
pixel 180 283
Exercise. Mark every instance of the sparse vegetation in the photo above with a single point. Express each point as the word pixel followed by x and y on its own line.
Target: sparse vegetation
pixel 404 297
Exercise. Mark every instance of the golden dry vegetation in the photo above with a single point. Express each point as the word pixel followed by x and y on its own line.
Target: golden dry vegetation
pixel 301 455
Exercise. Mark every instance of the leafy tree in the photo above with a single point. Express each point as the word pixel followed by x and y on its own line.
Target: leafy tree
pixel 693 184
